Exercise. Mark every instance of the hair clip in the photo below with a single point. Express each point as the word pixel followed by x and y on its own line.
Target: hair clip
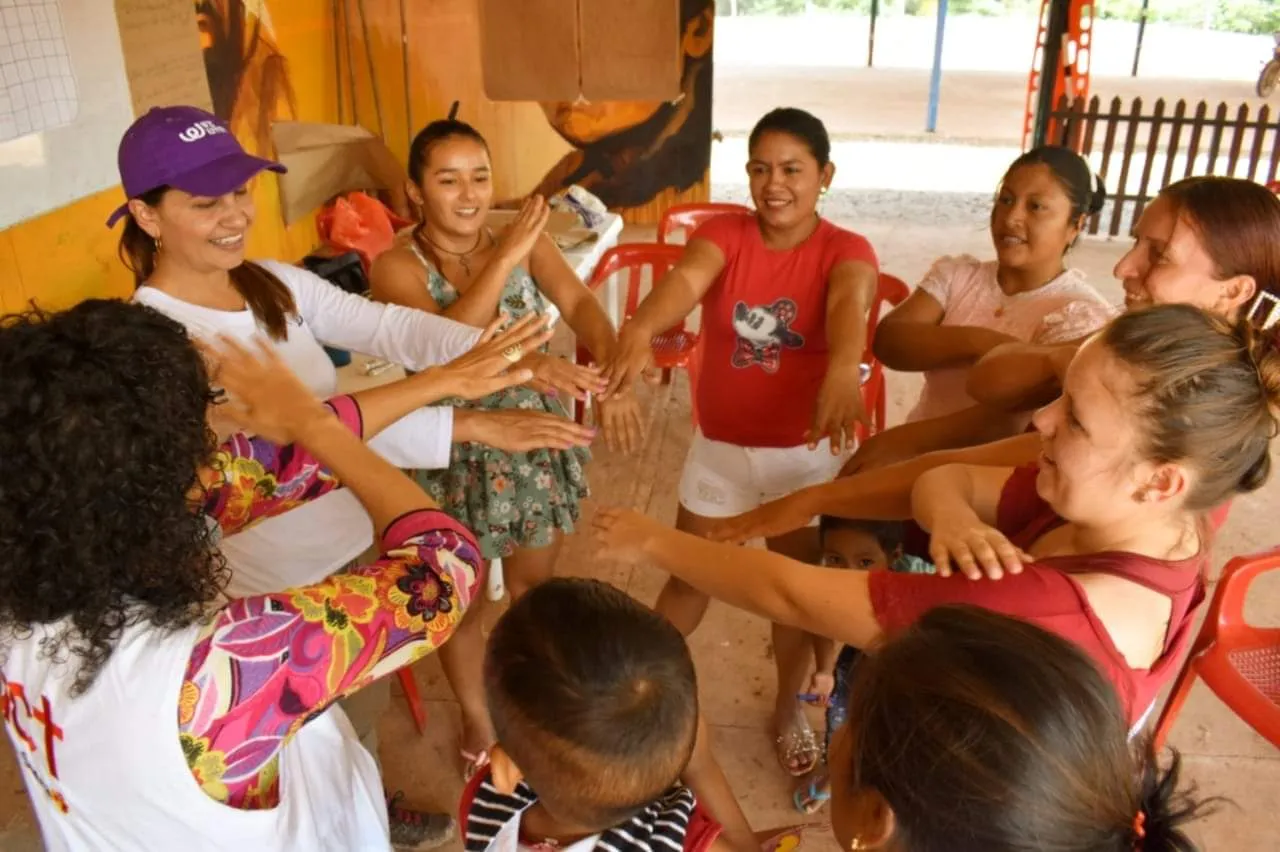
pixel 1265 310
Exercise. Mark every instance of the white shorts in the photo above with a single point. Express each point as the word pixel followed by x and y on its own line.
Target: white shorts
pixel 722 480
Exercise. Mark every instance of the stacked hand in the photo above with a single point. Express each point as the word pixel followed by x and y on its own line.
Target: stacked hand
pixel 491 364
pixel 839 409
pixel 975 549
pixel 262 395
pixel 519 237
pixel 623 533
pixel 555 375
pixel 632 359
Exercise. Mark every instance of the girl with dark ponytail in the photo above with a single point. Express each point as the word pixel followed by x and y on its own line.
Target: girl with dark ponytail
pixel 974 732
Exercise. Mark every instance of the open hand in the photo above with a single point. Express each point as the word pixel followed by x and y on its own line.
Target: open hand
pixel 632 358
pixel 839 410
pixel 519 237
pixel 620 418
pixel 554 375
pixel 495 362
pixel 623 533
pixel 516 430
pixel 263 396
pixel 974 549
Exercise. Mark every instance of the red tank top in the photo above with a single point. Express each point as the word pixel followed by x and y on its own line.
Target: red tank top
pixel 1045 594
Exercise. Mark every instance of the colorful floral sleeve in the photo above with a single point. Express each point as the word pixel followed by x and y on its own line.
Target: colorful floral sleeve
pixel 258 479
pixel 267 664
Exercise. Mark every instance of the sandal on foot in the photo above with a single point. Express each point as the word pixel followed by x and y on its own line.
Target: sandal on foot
pixel 798 751
pixel 809 798
pixel 473 762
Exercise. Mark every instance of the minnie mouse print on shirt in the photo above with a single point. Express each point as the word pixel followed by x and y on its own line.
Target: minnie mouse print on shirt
pixel 763 332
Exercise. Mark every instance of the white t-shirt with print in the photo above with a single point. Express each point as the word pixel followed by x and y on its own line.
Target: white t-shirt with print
pixel 1065 309
pixel 311 542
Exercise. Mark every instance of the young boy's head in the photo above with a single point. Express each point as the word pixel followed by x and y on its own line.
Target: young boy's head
pixel 869 545
pixel 594 701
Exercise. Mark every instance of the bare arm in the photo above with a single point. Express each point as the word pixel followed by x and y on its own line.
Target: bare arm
pixel 830 602
pixel 1020 376
pixel 706 778
pixel 958 489
pixel 965 428
pixel 579 307
pixel 850 292
pixel 881 494
pixel 912 338
pixel 671 300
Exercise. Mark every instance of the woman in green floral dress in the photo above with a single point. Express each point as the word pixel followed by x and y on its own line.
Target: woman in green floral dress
pixel 518 504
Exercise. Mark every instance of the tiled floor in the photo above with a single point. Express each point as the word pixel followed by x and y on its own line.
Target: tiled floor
pixel 1222 755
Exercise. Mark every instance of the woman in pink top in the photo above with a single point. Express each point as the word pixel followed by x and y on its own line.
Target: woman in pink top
pixel 964 307
pixel 1166 413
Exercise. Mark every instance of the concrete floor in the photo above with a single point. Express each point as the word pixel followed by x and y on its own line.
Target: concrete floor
pixel 1223 756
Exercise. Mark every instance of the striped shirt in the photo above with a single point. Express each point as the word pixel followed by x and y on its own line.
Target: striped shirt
pixel 663 825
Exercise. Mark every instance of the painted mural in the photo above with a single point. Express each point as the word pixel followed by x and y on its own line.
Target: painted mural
pixel 248 73
pixel 632 154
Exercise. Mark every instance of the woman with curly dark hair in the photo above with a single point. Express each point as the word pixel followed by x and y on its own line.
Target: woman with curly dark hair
pixel 125 674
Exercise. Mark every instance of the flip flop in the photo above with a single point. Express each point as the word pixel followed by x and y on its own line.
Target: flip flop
pixel 810 798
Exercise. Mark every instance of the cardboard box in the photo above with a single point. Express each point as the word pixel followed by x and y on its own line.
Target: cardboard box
pixel 599 50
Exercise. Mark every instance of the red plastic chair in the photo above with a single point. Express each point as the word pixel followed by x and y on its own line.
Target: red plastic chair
pixel 676 346
pixel 410 687
pixel 1240 663
pixel 687 218
pixel 890 291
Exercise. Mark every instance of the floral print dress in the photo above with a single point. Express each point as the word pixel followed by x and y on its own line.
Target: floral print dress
pixel 508 500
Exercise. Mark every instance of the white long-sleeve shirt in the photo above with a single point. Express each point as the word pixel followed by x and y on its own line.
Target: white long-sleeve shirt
pixel 313 541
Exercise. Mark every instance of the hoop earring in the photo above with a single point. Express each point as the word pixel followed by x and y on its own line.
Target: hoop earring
pixel 856 845
pixel 159 245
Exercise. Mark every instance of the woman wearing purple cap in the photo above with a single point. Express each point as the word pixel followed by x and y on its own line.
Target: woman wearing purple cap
pixel 186 221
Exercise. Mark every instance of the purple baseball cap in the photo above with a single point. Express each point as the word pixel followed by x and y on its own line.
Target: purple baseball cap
pixel 186 148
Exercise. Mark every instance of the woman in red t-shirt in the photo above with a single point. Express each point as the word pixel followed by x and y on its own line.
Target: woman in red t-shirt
pixel 784 297
pixel 1167 413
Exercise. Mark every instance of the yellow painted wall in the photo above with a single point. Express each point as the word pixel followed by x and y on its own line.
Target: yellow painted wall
pixel 68 254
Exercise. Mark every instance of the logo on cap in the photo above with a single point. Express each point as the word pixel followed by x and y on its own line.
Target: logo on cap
pixel 201 129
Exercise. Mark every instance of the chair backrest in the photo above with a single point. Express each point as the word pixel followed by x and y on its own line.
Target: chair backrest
pixel 891 291
pixel 1225 619
pixel 687 217
pixel 633 258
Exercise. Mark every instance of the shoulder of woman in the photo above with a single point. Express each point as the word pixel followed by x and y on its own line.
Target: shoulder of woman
pixel 289 274
pixel 950 268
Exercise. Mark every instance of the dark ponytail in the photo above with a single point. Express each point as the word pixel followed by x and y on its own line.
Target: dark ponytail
pixel 986 733
pixel 1164 809
pixel 270 300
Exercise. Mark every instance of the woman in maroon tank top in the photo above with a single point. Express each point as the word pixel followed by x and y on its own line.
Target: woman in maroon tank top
pixel 1167 413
